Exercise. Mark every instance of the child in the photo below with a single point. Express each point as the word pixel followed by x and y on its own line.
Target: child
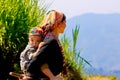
pixel 31 50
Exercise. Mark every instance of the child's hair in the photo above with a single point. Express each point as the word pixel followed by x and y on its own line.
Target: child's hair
pixel 36 31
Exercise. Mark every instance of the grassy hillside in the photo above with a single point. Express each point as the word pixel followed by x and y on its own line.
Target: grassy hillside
pixel 98 77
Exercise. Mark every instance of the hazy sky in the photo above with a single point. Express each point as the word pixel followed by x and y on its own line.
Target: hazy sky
pixel 77 7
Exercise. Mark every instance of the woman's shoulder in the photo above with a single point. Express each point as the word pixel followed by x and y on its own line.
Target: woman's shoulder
pixel 48 40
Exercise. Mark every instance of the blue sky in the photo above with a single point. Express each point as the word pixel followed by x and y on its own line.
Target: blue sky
pixel 78 7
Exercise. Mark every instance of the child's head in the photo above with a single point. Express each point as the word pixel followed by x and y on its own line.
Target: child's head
pixel 35 36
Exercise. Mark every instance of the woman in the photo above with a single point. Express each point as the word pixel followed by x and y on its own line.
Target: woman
pixel 50 60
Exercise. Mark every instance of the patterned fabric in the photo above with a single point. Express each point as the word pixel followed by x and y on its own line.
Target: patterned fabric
pixel 26 56
pixel 36 31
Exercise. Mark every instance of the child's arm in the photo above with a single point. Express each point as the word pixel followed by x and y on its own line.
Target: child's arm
pixel 37 51
pixel 20 76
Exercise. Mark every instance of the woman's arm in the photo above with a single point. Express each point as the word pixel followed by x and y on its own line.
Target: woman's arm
pixel 45 69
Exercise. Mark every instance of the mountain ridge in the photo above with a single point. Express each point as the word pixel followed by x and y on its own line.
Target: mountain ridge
pixel 99 39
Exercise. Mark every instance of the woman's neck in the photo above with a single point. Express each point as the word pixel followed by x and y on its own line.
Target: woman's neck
pixel 55 33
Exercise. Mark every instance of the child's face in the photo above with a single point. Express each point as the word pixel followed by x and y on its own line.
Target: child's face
pixel 34 41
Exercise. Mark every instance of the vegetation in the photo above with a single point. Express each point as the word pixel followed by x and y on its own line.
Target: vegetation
pixel 16 18
pixel 99 77
pixel 73 58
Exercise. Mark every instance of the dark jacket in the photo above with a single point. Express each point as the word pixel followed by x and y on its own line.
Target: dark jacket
pixel 51 54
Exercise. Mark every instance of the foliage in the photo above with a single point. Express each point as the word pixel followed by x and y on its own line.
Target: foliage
pixel 73 58
pixel 16 18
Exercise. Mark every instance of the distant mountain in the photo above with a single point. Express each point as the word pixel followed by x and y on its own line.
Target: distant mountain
pixel 99 39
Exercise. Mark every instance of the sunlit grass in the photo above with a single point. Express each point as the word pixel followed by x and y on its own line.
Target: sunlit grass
pixel 72 55
pixel 99 77
pixel 16 18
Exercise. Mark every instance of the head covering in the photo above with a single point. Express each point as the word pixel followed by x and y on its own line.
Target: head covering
pixel 52 19
pixel 36 31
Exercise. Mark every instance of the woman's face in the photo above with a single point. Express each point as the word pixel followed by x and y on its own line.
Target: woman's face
pixel 61 27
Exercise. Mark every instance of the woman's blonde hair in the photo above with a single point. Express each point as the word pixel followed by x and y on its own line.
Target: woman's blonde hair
pixel 52 19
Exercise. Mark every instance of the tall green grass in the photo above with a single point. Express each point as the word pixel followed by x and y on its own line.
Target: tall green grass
pixel 16 18
pixel 75 62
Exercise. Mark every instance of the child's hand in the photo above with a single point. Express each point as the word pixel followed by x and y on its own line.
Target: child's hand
pixel 56 78
pixel 37 51
pixel 40 45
